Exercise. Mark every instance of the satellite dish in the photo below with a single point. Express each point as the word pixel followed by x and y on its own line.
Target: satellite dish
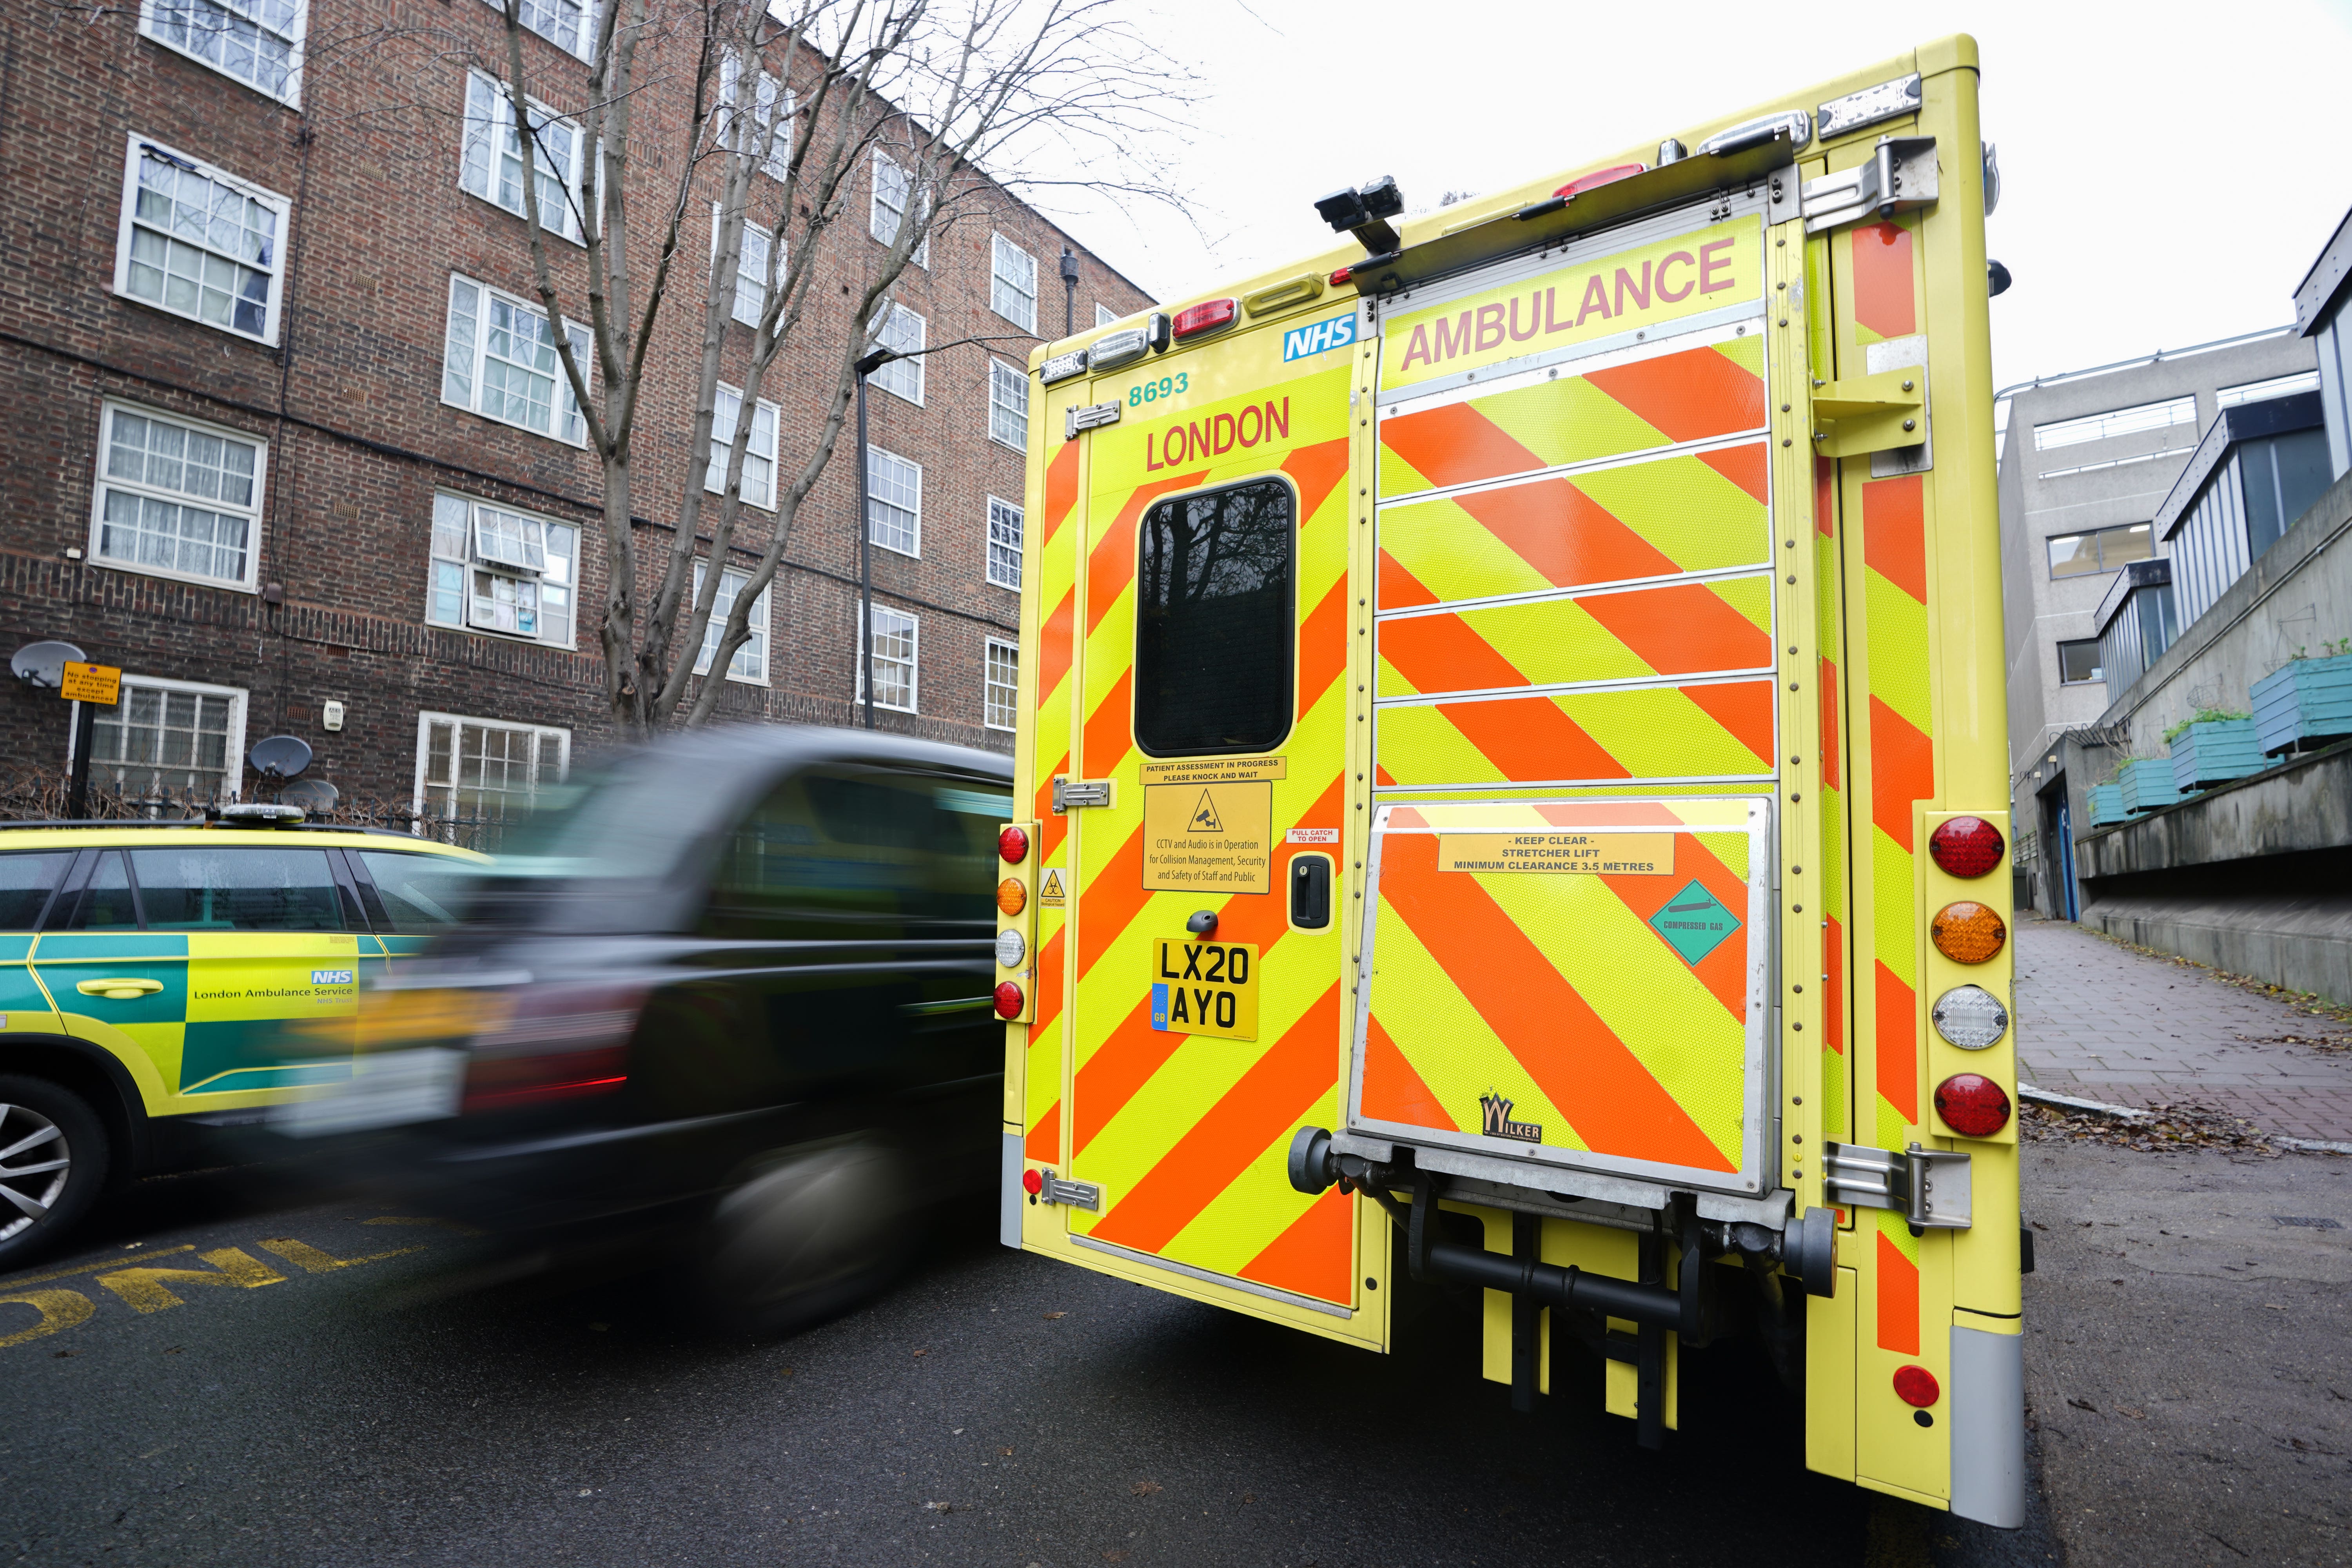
pixel 43 663
pixel 280 757
pixel 315 797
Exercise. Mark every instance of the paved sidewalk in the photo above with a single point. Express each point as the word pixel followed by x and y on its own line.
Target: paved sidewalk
pixel 2098 1020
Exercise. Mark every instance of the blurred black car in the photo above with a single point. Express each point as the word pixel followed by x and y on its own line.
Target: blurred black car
pixel 730 1001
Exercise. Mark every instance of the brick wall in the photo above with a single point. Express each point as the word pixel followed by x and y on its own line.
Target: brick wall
pixel 348 401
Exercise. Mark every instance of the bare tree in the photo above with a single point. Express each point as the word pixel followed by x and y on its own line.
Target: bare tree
pixel 955 103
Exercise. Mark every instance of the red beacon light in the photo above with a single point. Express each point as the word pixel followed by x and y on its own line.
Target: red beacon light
pixel 1598 177
pixel 1972 1104
pixel 1013 846
pixel 1342 276
pixel 1205 317
pixel 1009 1000
pixel 1966 845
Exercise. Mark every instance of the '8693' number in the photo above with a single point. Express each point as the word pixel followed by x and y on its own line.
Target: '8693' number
pixel 1154 391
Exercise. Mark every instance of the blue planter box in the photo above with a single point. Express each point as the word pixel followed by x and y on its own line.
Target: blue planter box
pixel 2147 783
pixel 2303 700
pixel 2107 805
pixel 2214 751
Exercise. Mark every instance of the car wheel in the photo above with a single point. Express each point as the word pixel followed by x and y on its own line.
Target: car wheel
pixel 54 1154
pixel 805 1234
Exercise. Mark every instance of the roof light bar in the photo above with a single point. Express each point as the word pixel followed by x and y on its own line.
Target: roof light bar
pixel 1206 317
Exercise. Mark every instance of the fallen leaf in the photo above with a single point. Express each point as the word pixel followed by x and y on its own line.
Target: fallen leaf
pixel 2084 1404
pixel 938 1507
pixel 175 1350
pixel 1144 1489
pixel 2133 1411
pixel 1249 1497
pixel 1051 1316
pixel 1006 1453
pixel 1114 1555
pixel 2274 1307
pixel 922 1352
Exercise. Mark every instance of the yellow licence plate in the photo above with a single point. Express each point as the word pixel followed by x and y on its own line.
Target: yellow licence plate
pixel 1204 988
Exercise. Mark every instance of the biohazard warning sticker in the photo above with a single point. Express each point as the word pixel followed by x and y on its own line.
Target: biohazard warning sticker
pixel 1050 893
pixel 1209 837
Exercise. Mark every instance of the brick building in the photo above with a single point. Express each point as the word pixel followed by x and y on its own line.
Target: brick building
pixel 253 305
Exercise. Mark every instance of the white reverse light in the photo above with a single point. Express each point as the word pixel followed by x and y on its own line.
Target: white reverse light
pixel 1970 1018
pixel 1010 949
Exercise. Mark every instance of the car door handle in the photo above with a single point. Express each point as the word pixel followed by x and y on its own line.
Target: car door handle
pixel 119 990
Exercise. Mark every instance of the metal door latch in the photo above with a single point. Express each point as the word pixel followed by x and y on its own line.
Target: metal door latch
pixel 1931 1186
pixel 1093 415
pixel 1071 794
pixel 1899 175
pixel 1084 1195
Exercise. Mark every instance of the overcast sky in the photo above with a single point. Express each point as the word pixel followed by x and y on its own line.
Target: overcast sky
pixel 2170 172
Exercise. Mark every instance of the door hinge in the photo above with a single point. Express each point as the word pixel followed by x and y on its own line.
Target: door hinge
pixel 1087 419
pixel 1898 176
pixel 1931 1186
pixel 1871 413
pixel 1084 1195
pixel 1069 794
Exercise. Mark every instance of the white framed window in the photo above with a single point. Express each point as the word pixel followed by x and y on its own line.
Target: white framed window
pixel 896 635
pixel 1004 544
pixel 568 25
pixel 759 456
pixel 901 331
pixel 1013 283
pixel 1008 405
pixel 499 359
pixel 167 739
pixel 498 570
pixel 750 661
pixel 199 242
pixel 484 773
pixel 769 130
pixel 751 265
pixel 492 164
pixel 257 42
pixel 894 501
pixel 892 189
pixel 1104 314
pixel 176 498
pixel 1000 700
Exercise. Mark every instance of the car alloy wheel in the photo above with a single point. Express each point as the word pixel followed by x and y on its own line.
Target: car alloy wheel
pixel 35 1164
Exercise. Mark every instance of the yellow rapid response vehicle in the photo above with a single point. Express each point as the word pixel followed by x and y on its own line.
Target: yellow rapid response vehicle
pixel 1512 756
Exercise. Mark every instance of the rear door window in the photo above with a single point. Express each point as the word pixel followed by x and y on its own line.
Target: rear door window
pixel 27 879
pixel 421 893
pixel 104 902
pixel 208 888
pixel 1213 621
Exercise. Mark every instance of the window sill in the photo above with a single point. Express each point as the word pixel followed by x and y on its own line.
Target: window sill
pixel 269 343
pixel 556 233
pixel 1008 587
pixel 914 555
pixel 1029 326
pixel 891 392
pixel 579 446
pixel 1021 447
pixel 572 646
pixel 165 573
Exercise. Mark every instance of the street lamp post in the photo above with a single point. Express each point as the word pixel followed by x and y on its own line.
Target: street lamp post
pixel 1069 292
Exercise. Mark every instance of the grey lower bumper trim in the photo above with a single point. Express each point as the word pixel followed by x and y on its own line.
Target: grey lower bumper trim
pixel 1009 1193
pixel 1268 1291
pixel 1988 1428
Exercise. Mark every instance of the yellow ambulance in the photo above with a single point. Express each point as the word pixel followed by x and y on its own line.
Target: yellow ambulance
pixel 1511 762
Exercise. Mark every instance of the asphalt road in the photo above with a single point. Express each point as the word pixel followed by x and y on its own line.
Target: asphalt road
pixel 992 1408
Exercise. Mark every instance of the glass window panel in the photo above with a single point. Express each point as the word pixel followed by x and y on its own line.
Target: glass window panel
pixel 2074 555
pixel 1013 283
pixel 1003 696
pixel 422 893
pixel 894 501
pixel 1008 404
pixel 27 879
pixel 105 904
pixel 2079 661
pixel 1004 521
pixel 236 888
pixel 1213 622
pixel 255 41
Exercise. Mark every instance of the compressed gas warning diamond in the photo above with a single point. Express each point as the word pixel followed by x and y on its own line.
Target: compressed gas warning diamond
pixel 1694 923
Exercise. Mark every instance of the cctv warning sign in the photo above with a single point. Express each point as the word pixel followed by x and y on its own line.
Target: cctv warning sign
pixel 1209 837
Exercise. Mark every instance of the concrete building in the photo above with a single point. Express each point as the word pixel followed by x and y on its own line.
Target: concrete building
pixel 2087 460
pixel 278 444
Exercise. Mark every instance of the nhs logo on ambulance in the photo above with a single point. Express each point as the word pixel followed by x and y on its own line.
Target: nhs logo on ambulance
pixel 1319 337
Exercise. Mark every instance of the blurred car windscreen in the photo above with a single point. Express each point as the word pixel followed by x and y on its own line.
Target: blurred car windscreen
pixel 423 893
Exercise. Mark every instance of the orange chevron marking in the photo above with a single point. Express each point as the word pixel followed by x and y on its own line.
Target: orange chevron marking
pixel 1049 981
pixel 1687 397
pixel 1825 495
pixel 1399 589
pixel 1316 470
pixel 1382 776
pixel 1112 566
pixel 1061 489
pixel 1113 897
pixel 1744 466
pixel 1323 646
pixel 1830 711
pixel 1723 972
pixel 1902 770
pixel 1685 629
pixel 1742 707
pixel 1439 653
pixel 1292 1079
pixel 1577 1060
pixel 1051 829
pixel 1313 1256
pixel 1565 534
pixel 1109 733
pixel 1898 1299
pixel 1530 738
pixel 1055 646
pixel 1894 533
pixel 1834 985
pixel 1044 1144
pixel 1120 1066
pixel 1455 444
pixel 1882 280
pixel 1392 1090
pixel 1898 1043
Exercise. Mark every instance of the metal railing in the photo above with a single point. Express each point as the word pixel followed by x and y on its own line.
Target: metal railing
pixel 40 797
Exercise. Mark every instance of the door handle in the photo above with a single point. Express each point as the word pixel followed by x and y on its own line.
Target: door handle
pixel 119 990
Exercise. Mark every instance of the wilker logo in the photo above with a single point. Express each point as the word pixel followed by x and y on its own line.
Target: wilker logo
pixel 1496 1121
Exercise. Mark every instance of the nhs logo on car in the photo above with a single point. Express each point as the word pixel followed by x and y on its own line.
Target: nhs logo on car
pixel 1318 338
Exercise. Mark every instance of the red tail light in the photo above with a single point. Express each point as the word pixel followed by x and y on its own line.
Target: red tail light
pixel 1916 1386
pixel 1343 275
pixel 1013 846
pixel 1032 1180
pixel 503 1082
pixel 1206 316
pixel 1972 1104
pixel 1009 1000
pixel 1964 845
pixel 553 1042
pixel 1600 177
